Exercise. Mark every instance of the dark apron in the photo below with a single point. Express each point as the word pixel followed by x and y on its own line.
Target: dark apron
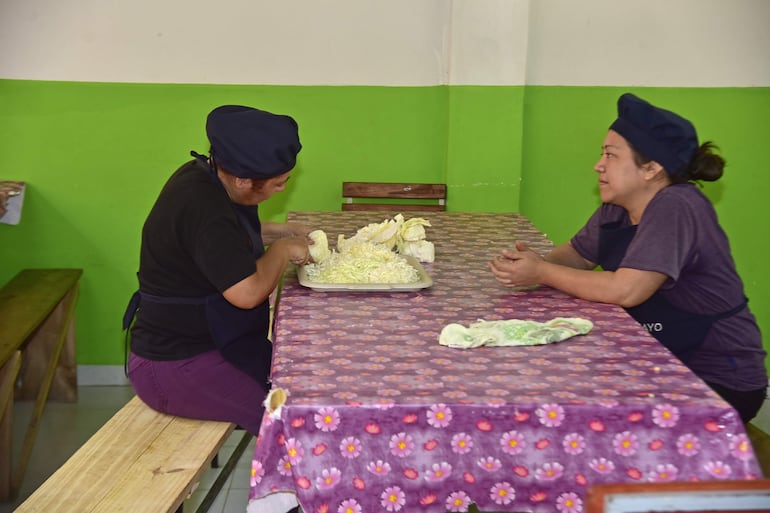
pixel 239 334
pixel 682 332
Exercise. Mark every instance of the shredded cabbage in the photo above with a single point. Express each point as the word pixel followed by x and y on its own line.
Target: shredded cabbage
pixel 362 262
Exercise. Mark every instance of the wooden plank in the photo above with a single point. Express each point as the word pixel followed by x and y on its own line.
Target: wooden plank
pixel 27 300
pixel 394 190
pixel 139 461
pixel 391 208
pixel 433 196
pixel 170 470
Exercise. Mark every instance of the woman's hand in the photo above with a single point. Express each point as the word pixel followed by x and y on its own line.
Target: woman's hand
pixel 295 248
pixel 271 232
pixel 516 267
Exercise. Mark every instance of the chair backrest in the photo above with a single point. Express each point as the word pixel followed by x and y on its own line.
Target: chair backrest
pixel 434 195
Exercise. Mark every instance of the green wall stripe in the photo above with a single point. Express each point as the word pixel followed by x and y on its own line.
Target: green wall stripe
pixel 96 154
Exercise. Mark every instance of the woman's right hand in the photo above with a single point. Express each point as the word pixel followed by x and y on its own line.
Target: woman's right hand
pixel 295 248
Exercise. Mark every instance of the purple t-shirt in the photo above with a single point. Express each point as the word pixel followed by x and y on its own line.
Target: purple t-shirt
pixel 679 235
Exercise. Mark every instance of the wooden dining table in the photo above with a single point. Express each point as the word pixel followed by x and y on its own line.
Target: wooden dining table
pixel 380 417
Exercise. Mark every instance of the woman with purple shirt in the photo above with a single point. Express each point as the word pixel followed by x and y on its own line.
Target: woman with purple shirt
pixel 663 255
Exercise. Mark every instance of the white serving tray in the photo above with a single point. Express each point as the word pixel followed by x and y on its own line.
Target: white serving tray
pixel 425 281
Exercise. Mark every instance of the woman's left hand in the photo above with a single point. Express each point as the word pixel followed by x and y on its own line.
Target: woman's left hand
pixel 516 267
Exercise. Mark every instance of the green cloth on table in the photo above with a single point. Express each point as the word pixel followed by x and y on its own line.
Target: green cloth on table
pixel 513 332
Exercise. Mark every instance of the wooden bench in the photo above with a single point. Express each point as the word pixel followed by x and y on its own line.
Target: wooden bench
pixel 37 357
pixel 139 461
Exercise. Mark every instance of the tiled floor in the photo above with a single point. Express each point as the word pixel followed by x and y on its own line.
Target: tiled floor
pixel 65 427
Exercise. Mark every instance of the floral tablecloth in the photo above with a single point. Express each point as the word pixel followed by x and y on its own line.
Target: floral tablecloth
pixel 381 418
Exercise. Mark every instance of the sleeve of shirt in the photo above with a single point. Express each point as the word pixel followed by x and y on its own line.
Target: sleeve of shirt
pixel 221 247
pixel 665 237
pixel 586 240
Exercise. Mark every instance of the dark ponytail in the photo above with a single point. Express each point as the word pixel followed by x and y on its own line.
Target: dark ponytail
pixel 705 165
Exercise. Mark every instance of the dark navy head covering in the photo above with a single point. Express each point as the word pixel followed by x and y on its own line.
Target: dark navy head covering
pixel 658 134
pixel 252 143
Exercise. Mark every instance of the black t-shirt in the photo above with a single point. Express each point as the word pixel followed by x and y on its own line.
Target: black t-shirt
pixel 193 245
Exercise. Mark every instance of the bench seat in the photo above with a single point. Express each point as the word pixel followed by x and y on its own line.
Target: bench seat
pixel 140 461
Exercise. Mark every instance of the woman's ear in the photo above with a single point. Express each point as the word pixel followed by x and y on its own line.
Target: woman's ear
pixel 653 170
pixel 242 183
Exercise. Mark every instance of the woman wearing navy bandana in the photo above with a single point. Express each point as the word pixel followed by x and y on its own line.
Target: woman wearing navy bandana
pixel 663 255
pixel 199 343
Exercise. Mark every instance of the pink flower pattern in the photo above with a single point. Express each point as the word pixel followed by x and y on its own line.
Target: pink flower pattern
pixel 462 443
pixel 350 447
pixel 688 445
pixel 393 498
pixel 390 421
pixel 502 493
pixel 512 443
pixel 625 443
pixel 458 501
pixel 439 416
pixel 569 502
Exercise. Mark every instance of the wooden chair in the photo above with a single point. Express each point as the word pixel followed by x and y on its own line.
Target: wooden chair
pixel 394 196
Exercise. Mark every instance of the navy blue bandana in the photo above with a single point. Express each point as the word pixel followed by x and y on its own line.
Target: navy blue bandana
pixel 252 143
pixel 665 137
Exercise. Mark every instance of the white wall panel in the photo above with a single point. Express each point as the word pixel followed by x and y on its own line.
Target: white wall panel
pixel 394 42
pixel 389 42
pixel 489 42
pixel 700 43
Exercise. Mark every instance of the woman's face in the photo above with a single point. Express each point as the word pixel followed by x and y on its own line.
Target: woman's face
pixel 619 176
pixel 264 189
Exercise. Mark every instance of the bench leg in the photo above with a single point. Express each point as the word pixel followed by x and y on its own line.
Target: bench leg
pixel 8 374
pixel 216 487
pixel 50 338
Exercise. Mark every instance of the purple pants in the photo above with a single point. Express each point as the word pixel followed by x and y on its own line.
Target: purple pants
pixel 204 387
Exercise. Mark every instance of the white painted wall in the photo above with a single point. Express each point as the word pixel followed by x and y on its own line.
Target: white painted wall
pixel 701 43
pixel 389 42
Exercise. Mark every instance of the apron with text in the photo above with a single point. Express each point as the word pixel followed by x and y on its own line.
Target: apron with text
pixel 682 332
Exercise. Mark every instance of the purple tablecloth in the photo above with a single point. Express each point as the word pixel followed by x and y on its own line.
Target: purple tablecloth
pixel 380 417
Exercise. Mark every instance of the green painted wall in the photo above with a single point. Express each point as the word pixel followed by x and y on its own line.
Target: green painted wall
pixel 95 155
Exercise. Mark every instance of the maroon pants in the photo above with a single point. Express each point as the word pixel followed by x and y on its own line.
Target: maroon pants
pixel 205 387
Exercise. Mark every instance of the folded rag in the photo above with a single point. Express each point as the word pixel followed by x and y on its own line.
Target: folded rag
pixel 513 332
